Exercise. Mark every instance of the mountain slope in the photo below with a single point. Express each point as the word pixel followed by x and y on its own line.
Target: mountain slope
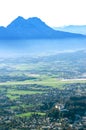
pixel 81 29
pixel 32 28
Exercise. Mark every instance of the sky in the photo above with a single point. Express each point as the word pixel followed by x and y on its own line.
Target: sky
pixel 55 13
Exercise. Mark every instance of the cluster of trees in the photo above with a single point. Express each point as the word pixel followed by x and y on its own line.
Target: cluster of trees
pixel 68 104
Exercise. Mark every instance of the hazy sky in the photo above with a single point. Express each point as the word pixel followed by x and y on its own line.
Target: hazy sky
pixel 53 12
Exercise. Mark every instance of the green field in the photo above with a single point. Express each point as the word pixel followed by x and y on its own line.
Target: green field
pixel 28 114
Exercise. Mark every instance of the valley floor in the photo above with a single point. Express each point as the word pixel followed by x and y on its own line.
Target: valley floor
pixel 43 93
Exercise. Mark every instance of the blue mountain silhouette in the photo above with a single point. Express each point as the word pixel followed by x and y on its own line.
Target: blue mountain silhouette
pixel 81 29
pixel 32 28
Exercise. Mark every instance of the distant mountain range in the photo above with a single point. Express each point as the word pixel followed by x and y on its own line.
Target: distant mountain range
pixel 81 29
pixel 33 28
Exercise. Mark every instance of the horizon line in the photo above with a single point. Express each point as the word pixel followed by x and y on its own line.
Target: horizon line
pixel 60 26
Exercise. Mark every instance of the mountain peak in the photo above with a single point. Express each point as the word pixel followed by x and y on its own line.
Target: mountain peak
pixel 18 21
pixel 33 27
pixel 19 18
pixel 34 19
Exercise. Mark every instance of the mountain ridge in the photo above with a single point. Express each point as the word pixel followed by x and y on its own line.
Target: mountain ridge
pixel 33 28
pixel 81 29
